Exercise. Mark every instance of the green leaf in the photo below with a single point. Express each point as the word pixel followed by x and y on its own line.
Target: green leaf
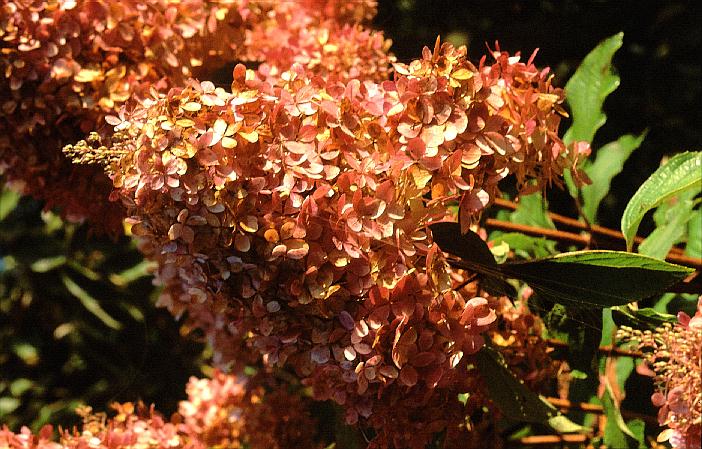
pixel 126 277
pixel 578 327
pixel 90 303
pixel 642 318
pixel 608 163
pixel 511 396
pixel 680 173
pixel 8 202
pixel 19 386
pixel 597 278
pixel 694 235
pixel 514 399
pixel 525 246
pixel 590 278
pixel 617 433
pixel 47 264
pixel 587 89
pixel 671 220
pixel 532 210
pixel 8 405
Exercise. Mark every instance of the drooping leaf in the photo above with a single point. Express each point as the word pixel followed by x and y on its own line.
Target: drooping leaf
pixel 617 433
pixel 583 278
pixel 468 246
pixel 680 173
pixel 514 399
pixel 597 278
pixel 608 163
pixel 511 396
pixel 474 254
pixel 587 89
pixel 577 326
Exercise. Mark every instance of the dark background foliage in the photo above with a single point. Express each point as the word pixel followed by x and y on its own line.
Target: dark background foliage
pixel 78 325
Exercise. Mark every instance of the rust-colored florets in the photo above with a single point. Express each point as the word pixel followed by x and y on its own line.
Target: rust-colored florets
pixel 288 217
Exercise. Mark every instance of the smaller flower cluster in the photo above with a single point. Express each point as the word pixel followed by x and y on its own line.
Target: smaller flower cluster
pixel 223 411
pixel 324 36
pixel 519 337
pixel 674 352
pixel 65 64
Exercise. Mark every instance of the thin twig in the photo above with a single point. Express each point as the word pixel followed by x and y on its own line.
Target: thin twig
pixel 569 237
pixel 598 409
pixel 609 350
pixel 536 440
pixel 576 224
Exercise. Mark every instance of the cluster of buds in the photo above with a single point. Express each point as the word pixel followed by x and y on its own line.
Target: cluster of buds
pixel 518 335
pixel 289 217
pixel 674 352
pixel 67 64
pixel 223 411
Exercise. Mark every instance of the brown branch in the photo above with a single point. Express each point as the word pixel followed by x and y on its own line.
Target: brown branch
pixel 576 224
pixel 578 239
pixel 609 350
pixel 537 440
pixel 598 409
pixel 561 236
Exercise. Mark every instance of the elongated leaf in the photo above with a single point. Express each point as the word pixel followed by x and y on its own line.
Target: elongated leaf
pixel 671 226
pixel 694 235
pixel 680 173
pixel 47 264
pixel 90 303
pixel 514 399
pixel 587 89
pixel 617 433
pixel 608 163
pixel 646 318
pixel 585 278
pixel 597 278
pixel 8 202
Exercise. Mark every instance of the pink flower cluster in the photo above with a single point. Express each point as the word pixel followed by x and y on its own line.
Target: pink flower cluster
pixel 675 355
pixel 67 64
pixel 219 412
pixel 288 219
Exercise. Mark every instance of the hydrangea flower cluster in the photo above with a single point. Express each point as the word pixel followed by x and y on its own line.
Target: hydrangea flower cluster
pixel 219 412
pixel 288 219
pixel 674 352
pixel 67 64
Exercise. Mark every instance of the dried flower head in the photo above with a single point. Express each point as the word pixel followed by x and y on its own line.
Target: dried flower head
pixel 288 218
pixel 69 64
